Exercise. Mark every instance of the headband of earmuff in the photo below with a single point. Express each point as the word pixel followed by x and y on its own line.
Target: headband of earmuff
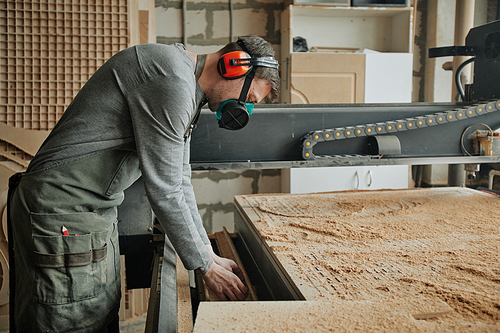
pixel 235 64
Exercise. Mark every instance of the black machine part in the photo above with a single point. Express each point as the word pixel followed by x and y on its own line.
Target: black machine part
pixel 234 116
pixel 383 145
pixel 274 137
pixel 485 40
pixel 483 43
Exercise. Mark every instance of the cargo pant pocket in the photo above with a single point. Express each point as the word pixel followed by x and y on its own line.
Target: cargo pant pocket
pixel 69 268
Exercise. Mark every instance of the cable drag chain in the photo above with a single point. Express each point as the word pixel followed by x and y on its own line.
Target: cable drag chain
pixel 309 140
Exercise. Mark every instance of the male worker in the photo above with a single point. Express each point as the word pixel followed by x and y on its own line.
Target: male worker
pixel 133 117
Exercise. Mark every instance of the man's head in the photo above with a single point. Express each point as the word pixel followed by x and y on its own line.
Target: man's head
pixel 251 79
pixel 257 47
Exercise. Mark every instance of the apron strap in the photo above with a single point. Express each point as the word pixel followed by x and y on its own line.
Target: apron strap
pixel 13 182
pixel 200 64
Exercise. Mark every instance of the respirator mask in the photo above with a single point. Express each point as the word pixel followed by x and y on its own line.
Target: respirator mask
pixel 235 114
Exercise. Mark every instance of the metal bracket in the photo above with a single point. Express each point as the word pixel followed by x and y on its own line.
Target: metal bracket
pixel 447 51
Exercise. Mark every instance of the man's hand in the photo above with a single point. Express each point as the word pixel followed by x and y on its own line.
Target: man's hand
pixel 229 265
pixel 224 283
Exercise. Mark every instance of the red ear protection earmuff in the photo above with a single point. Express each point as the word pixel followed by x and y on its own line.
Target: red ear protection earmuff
pixel 236 64
pixel 234 114
pixel 233 65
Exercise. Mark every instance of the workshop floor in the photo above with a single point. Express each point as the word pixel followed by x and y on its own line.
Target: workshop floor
pixel 134 325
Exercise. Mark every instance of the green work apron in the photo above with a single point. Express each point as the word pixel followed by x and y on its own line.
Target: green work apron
pixel 69 283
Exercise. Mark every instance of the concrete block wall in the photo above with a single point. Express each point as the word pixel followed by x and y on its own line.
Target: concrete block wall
pixel 208 23
pixel 215 191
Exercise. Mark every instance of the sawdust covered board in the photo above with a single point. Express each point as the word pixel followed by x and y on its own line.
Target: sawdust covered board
pixel 369 245
pixel 330 316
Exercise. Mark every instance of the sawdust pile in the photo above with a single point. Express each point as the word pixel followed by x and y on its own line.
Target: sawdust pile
pixel 397 244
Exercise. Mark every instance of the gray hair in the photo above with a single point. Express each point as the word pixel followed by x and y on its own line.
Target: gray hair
pixel 258 47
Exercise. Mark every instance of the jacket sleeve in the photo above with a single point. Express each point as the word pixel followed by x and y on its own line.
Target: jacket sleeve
pixel 189 194
pixel 161 109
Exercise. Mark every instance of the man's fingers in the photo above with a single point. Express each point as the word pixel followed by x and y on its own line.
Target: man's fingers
pixel 235 295
pixel 225 284
pixel 236 291
pixel 240 295
pixel 233 292
pixel 237 270
pixel 221 296
pixel 242 288
pixel 231 296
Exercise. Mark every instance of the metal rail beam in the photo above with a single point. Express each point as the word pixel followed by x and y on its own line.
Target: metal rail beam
pixel 272 139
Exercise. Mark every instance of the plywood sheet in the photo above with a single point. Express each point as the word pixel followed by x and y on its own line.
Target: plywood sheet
pixel 184 306
pixel 388 77
pixel 365 246
pixel 26 140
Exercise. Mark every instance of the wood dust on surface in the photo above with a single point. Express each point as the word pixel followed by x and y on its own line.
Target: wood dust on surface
pixel 312 316
pixel 388 245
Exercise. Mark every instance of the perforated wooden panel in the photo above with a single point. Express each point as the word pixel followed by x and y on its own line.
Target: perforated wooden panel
pixel 49 49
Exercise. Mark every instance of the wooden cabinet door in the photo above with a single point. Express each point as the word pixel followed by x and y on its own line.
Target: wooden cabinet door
pixel 327 78
pixel 323 179
pixel 326 179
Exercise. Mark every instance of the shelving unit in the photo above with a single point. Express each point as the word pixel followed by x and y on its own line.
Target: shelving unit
pixel 383 29
pixel 350 30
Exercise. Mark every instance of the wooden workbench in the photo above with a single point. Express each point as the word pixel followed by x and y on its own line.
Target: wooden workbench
pixel 378 248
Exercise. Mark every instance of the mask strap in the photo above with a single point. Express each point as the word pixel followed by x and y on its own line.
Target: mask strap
pixel 246 86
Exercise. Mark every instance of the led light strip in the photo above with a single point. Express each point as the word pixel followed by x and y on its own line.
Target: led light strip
pixel 407 124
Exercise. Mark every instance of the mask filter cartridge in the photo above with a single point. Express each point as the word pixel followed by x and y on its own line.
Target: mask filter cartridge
pixel 234 114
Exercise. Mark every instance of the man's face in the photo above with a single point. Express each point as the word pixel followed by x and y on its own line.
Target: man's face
pixel 231 89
